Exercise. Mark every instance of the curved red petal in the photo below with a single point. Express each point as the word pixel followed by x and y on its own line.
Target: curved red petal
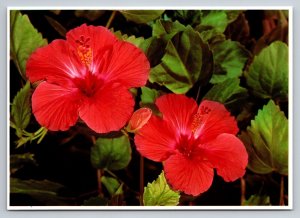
pixel 215 120
pixel 99 38
pixel 156 140
pixel 191 176
pixel 228 155
pixel 109 109
pixel 53 63
pixel 178 110
pixel 91 44
pixel 55 107
pixel 126 64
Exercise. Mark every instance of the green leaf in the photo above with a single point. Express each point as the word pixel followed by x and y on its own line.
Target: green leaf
pixel 191 17
pixel 153 49
pixel 111 153
pixel 112 185
pixel 132 39
pixel 213 23
pixel 148 98
pixel 43 191
pixel 227 91
pixel 266 141
pixel 181 65
pixel 229 60
pixel 216 19
pixel 232 15
pixel 141 16
pixel 24 39
pixel 18 161
pixel 161 27
pixel 159 193
pixel 95 201
pixel 258 200
pixel 268 73
pixel 21 109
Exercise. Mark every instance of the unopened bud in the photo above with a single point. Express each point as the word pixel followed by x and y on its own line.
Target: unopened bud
pixel 138 119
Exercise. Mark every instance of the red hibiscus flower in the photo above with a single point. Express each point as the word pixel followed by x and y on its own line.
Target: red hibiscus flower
pixel 192 141
pixel 88 76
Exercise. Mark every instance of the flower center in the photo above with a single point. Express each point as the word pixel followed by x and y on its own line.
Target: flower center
pixel 187 145
pixel 84 50
pixel 88 85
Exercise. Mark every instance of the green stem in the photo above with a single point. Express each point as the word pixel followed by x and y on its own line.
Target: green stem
pixel 33 134
pixel 42 136
pixel 111 173
pixel 112 16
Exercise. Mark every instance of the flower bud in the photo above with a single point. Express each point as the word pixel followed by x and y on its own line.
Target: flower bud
pixel 138 119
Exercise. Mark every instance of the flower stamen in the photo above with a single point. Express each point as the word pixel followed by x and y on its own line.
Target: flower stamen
pixel 84 51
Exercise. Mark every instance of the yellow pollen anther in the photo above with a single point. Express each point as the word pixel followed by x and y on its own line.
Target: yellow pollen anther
pixel 196 122
pixel 84 50
pixel 198 118
pixel 85 55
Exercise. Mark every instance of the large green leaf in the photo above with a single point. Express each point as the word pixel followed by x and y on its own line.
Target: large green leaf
pixel 229 60
pixel 153 48
pixel 44 191
pixel 21 109
pixel 181 65
pixel 268 73
pixel 111 153
pixel 227 91
pixel 141 16
pixel 159 193
pixel 216 19
pixel 161 27
pixel 214 23
pixel 266 141
pixel 24 39
pixel 137 41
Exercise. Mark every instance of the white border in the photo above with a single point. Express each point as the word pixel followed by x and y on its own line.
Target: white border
pixel 159 208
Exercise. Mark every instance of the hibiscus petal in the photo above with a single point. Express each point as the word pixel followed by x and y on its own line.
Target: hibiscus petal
pixel 193 176
pixel 156 140
pixel 109 109
pixel 214 120
pixel 99 38
pixel 126 64
pixel 228 155
pixel 53 63
pixel 178 110
pixel 55 107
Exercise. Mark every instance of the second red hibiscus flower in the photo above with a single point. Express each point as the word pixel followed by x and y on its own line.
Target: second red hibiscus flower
pixel 191 141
